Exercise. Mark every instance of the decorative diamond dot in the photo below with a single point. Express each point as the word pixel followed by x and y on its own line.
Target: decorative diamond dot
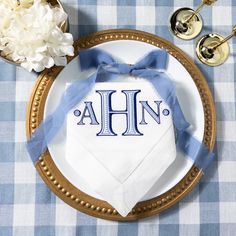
pixel 165 112
pixel 77 113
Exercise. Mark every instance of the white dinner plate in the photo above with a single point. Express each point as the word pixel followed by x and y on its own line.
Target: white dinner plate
pixel 129 51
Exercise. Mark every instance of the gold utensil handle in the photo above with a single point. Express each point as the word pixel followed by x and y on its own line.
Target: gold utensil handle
pixel 204 2
pixel 209 2
pixel 226 39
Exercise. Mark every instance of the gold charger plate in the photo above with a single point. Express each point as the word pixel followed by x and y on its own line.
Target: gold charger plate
pixel 80 200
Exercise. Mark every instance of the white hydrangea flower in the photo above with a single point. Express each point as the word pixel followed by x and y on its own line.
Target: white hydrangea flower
pixel 30 34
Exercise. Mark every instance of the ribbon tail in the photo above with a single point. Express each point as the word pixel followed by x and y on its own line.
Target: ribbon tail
pixel 48 129
pixel 197 151
pixel 187 143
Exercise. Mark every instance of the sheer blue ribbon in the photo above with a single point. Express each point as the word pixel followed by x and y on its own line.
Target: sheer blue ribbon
pixel 151 67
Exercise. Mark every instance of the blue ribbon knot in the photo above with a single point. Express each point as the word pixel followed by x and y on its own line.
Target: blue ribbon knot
pixel 151 67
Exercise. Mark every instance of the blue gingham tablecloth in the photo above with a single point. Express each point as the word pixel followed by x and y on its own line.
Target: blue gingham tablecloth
pixel 28 207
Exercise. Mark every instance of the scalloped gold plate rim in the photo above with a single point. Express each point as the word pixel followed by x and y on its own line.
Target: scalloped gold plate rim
pixel 80 200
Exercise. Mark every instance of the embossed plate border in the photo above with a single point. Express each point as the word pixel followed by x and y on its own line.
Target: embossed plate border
pixel 80 200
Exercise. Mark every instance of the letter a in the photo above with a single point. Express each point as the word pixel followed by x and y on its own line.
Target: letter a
pixel 88 108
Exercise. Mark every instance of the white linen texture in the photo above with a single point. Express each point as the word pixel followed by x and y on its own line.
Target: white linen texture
pixel 121 169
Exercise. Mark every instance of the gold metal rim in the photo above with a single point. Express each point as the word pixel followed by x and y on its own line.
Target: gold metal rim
pixel 207 40
pixel 195 25
pixel 80 200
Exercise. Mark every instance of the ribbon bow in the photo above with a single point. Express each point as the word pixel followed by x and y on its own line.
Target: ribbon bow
pixel 151 67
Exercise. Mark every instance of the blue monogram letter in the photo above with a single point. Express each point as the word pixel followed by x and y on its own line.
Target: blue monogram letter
pixel 154 115
pixel 107 112
pixel 91 114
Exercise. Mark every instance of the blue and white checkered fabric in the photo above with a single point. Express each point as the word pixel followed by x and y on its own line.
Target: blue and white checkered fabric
pixel 28 207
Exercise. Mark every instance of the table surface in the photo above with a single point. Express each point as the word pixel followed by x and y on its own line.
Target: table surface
pixel 28 207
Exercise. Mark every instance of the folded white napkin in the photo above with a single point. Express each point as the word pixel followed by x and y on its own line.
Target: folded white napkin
pixel 121 168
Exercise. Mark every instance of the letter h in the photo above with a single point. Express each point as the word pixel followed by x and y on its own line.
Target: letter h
pixel 107 112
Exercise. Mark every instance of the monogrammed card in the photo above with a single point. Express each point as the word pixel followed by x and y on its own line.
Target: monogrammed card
pixel 122 138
